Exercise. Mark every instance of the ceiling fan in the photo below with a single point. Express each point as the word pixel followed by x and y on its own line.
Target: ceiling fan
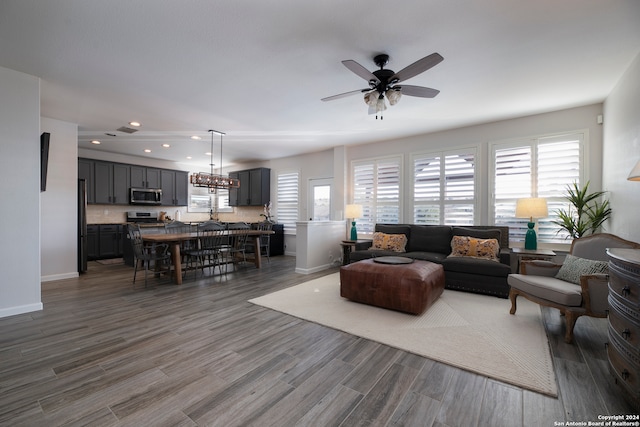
pixel 385 82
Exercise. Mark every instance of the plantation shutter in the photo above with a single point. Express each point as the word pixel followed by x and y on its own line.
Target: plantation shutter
pixel 444 188
pixel 287 199
pixel 376 186
pixel 540 167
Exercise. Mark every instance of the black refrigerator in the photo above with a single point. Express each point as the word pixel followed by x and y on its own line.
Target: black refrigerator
pixel 82 225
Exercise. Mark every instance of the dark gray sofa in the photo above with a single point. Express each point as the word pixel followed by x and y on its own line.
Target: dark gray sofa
pixel 433 243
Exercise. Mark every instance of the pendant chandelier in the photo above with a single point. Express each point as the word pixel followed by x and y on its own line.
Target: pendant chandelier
pixel 210 180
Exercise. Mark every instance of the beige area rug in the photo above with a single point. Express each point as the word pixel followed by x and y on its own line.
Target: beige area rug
pixel 468 331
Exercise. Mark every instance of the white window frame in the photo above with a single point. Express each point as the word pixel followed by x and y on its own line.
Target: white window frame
pixel 371 203
pixel 547 231
pixel 288 213
pixel 221 198
pixel 442 201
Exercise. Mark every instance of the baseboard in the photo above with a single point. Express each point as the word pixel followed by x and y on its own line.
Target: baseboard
pixel 52 277
pixel 21 309
pixel 312 270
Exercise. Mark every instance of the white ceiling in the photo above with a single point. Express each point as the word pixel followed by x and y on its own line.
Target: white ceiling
pixel 257 69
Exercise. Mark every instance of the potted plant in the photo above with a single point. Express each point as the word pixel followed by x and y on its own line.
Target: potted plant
pixel 585 214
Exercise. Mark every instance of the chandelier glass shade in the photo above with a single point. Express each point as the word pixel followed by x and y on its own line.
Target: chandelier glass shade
pixel 211 180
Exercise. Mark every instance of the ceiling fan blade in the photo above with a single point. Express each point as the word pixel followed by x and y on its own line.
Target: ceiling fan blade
pixel 342 95
pixel 420 91
pixel 417 67
pixel 360 70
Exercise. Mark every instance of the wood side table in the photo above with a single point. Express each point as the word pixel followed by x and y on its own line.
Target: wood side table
pixel 532 254
pixel 350 245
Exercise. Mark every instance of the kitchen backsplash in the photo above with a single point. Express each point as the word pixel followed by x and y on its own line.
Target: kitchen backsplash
pixel 111 214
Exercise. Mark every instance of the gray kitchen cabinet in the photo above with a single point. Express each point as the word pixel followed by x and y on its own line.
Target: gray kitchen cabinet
pixel 103 182
pixel 233 192
pixel 174 187
pixel 255 187
pixel 143 177
pixel 182 188
pixel 110 241
pixel 121 184
pixel 111 183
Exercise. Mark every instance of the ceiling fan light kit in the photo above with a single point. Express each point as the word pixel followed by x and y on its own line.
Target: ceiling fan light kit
pixel 385 82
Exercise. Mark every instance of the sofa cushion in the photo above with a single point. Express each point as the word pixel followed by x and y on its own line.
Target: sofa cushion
pixel 548 288
pixel 465 246
pixel 491 233
pixel 430 238
pixel 573 267
pixel 476 266
pixel 389 242
pixel 394 229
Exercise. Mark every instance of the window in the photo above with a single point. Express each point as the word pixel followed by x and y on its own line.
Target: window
pixel 287 201
pixel 538 167
pixel 444 188
pixel 376 186
pixel 222 200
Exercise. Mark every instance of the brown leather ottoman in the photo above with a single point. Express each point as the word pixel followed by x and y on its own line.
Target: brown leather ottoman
pixel 411 288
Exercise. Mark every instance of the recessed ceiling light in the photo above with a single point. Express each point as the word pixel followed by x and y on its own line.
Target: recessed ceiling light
pixel 189 157
pixel 166 145
pixel 196 137
pixel 147 150
pixel 207 154
pixel 136 124
pixel 96 142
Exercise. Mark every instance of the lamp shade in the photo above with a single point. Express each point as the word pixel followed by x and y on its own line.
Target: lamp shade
pixel 353 211
pixel 635 173
pixel 532 207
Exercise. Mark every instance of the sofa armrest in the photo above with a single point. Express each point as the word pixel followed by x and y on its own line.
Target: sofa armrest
pixel 595 291
pixel 363 246
pixel 539 268
pixel 505 257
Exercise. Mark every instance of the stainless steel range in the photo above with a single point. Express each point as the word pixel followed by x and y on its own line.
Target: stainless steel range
pixel 142 217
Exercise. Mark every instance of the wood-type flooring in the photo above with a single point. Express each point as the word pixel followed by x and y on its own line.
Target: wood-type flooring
pixel 106 353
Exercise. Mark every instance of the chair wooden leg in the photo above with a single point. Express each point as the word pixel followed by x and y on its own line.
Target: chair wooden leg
pixel 513 294
pixel 570 317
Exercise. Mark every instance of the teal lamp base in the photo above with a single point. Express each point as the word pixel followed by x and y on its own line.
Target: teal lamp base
pixel 530 240
pixel 354 232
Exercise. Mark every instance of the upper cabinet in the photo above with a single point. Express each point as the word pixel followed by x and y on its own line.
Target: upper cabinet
pixel 175 187
pixel 143 177
pixel 255 187
pixel 109 183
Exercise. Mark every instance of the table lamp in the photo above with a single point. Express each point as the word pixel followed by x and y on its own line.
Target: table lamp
pixel 353 212
pixel 635 173
pixel 532 207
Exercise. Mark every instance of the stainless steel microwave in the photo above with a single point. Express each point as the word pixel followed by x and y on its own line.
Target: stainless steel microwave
pixel 145 196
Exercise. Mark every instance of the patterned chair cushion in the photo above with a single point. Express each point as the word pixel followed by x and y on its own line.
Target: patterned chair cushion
pixel 573 267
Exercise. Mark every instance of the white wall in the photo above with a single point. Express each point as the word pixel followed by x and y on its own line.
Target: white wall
pixel 622 151
pixel 58 204
pixel 318 245
pixel 20 193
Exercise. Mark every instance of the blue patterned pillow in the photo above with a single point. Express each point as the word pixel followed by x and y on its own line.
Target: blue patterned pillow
pixel 574 267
